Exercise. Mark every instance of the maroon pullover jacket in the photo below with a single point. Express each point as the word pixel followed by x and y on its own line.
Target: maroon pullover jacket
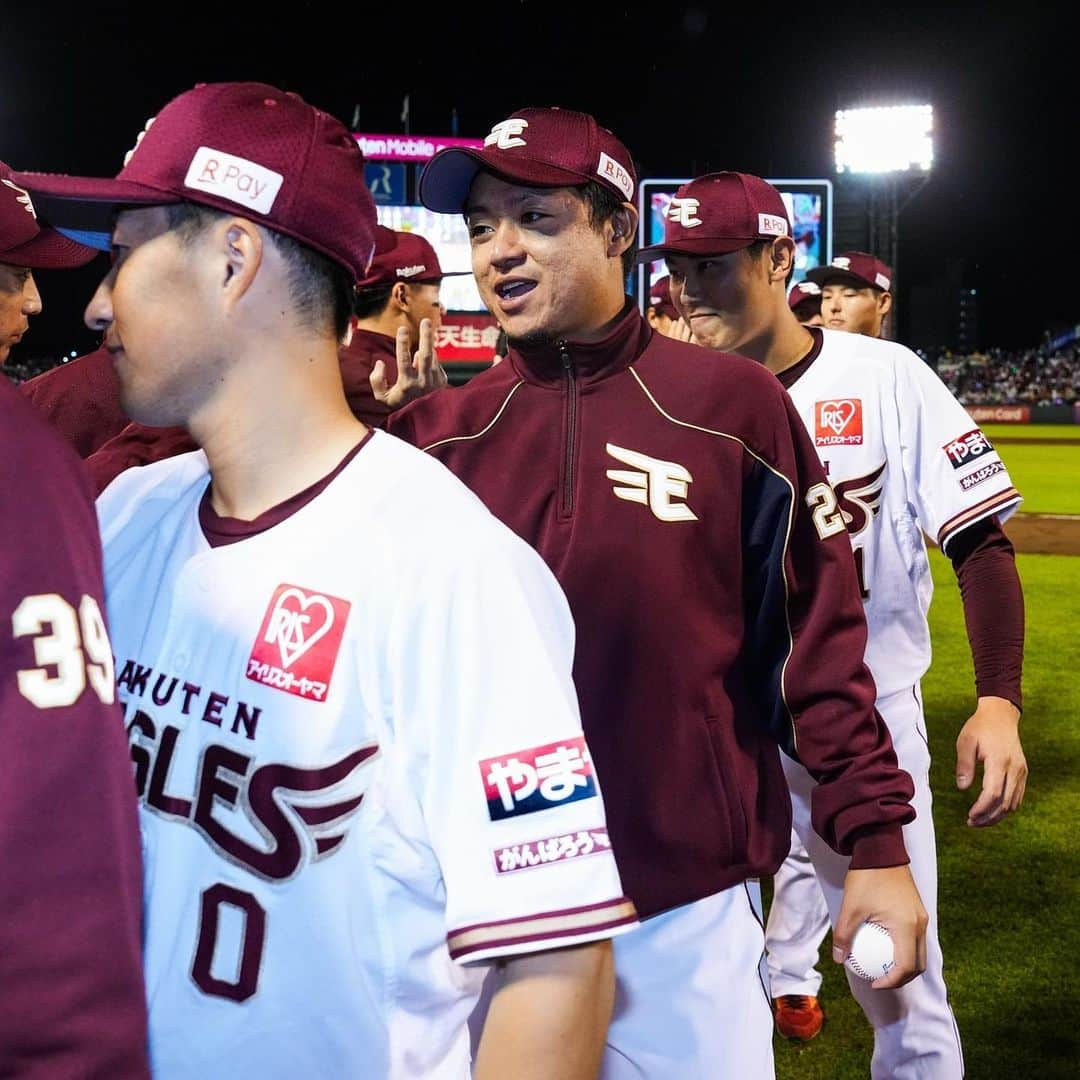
pixel 666 487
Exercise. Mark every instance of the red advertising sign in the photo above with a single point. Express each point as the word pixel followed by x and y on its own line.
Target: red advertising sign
pixel 467 339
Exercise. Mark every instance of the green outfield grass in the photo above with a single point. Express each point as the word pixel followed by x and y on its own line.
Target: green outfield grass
pixel 1009 896
pixel 1048 476
pixel 1032 431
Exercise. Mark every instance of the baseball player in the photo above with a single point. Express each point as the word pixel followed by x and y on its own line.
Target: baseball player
pixel 361 769
pixel 855 293
pixel 903 459
pixel 661 313
pixel 71 986
pixel 397 295
pixel 715 616
pixel 805 300
pixel 798 920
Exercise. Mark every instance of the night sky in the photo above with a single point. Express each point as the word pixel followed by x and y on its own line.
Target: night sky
pixel 688 89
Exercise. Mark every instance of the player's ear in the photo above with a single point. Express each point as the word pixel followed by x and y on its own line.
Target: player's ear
pixel 621 230
pixel 884 303
pixel 240 244
pixel 399 296
pixel 781 258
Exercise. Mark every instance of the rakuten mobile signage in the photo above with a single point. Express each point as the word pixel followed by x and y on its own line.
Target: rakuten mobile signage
pixel 808 202
pixel 418 148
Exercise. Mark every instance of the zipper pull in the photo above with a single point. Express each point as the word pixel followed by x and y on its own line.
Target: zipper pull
pixel 567 360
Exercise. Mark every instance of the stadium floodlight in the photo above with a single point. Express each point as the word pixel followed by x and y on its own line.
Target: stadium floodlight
pixel 891 139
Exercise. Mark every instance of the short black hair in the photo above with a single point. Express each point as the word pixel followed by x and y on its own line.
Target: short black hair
pixel 372 301
pixel 321 289
pixel 602 204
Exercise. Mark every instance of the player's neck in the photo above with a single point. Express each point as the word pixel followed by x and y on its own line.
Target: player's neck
pixel 279 424
pixel 386 324
pixel 786 346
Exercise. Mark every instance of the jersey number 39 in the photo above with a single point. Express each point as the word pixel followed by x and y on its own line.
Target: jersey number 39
pixel 70 649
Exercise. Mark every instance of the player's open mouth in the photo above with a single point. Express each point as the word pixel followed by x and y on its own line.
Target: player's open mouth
pixel 510 290
pixel 512 293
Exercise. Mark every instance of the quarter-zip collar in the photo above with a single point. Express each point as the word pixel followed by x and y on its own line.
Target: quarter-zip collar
pixel 546 365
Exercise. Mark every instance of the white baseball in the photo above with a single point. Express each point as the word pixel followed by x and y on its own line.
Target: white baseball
pixel 871 954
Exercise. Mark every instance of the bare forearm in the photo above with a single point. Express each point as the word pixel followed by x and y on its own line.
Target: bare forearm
pixel 549 1016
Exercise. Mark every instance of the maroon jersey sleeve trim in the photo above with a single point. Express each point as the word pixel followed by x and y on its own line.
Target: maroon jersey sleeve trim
pixel 543 930
pixel 974 513
pixel 483 431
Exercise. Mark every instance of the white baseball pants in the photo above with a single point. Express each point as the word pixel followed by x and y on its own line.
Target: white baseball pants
pixel 915 1035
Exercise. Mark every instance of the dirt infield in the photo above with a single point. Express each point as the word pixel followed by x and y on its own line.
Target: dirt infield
pixel 1033 440
pixel 1045 534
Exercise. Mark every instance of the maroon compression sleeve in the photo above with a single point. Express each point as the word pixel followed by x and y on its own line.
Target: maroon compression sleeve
pixel 985 564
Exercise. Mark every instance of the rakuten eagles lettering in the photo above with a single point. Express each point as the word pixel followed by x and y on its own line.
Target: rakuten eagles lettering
pixel 302 814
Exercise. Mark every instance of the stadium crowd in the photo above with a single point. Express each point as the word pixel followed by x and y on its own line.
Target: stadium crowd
pixel 1037 376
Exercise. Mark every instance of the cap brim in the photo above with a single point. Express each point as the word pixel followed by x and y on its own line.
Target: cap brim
pixel 820 275
pixel 49 250
pixel 697 245
pixel 84 208
pixel 448 177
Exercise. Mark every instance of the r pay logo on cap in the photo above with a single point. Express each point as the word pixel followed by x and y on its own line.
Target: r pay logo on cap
pixel 234 178
pixel 611 170
pixel 771 225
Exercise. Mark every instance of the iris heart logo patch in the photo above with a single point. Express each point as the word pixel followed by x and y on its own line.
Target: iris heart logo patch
pixel 298 642
pixel 838 422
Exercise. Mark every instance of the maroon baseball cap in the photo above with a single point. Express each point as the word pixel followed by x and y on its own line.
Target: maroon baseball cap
pixel 536 148
pixel 660 298
pixel 855 267
pixel 404 256
pixel 804 291
pixel 26 241
pixel 243 147
pixel 718 213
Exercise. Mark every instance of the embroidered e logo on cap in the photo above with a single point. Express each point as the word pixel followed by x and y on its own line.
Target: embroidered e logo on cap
pixel 505 134
pixel 684 212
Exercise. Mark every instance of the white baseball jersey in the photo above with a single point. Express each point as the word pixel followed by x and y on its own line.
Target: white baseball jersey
pixel 904 458
pixel 360 763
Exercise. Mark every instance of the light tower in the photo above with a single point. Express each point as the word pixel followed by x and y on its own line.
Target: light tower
pixel 891 150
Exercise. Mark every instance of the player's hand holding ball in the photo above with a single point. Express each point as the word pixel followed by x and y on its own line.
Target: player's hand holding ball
pixel 872 955
pixel 887 897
